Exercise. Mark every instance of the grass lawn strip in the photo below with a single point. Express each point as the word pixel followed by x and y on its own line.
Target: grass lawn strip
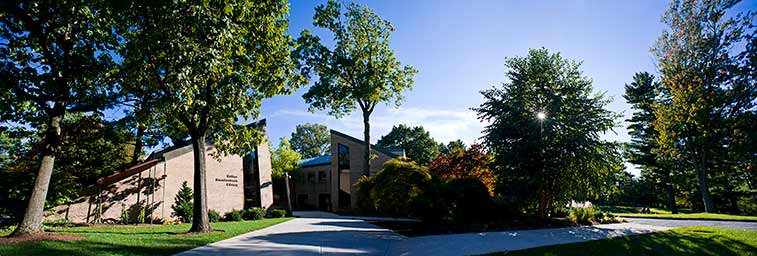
pixel 679 241
pixel 692 216
pixel 134 240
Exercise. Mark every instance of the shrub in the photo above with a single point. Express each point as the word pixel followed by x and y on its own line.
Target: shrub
pixel 468 200
pixel 397 186
pixel 589 215
pixel 583 216
pixel 278 213
pixel 183 204
pixel 233 215
pixel 213 216
pixel 363 189
pixel 254 213
pixel 124 218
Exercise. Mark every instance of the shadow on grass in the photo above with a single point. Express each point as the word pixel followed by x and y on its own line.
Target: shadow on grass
pixel 684 242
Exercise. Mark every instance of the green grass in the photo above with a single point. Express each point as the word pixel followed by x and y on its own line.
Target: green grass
pixel 699 216
pixel 629 211
pixel 680 241
pixel 133 240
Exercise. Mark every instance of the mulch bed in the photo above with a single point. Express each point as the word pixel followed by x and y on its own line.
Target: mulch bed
pixel 46 236
pixel 187 233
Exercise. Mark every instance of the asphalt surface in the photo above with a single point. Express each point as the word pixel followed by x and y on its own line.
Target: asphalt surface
pixel 688 223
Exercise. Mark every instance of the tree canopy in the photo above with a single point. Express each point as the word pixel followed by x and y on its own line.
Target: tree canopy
pixel 472 163
pixel 53 60
pixel 228 57
pixel 709 86
pixel 361 69
pixel 416 141
pixel 561 156
pixel 284 159
pixel 311 140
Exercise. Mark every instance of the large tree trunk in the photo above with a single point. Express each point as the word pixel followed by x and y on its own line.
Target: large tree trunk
pixel 32 222
pixel 367 140
pixel 137 146
pixel 200 221
pixel 700 167
pixel 671 195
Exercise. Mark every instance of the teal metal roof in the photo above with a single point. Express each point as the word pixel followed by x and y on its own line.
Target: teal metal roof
pixel 321 160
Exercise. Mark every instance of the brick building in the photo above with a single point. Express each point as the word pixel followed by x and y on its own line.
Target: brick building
pixel 234 182
pixel 326 182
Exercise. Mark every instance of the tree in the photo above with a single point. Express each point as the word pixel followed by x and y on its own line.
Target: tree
pixel 416 141
pixel 361 69
pixel 452 146
pixel 700 74
pixel 284 159
pixel 182 206
pixel 641 94
pixel 90 148
pixel 465 164
pixel 208 65
pixel 545 162
pixel 311 140
pixel 54 61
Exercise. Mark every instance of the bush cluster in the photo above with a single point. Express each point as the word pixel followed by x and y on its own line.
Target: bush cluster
pixel 403 189
pixel 590 215
pixel 254 214
pixel 233 215
pixel 213 216
pixel 278 213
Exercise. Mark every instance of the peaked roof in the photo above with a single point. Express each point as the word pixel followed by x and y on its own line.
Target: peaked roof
pixel 373 147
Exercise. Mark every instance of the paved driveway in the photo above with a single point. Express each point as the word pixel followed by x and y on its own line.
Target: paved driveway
pixel 313 233
pixel 688 223
pixel 319 233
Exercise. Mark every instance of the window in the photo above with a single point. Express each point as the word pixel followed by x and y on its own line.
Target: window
pixel 311 177
pixel 344 157
pixel 321 177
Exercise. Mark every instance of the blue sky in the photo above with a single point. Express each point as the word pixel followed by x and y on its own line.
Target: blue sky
pixel 459 48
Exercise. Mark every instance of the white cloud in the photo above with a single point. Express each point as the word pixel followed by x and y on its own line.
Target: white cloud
pixel 443 125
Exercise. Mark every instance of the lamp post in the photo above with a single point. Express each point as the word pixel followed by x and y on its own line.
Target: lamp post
pixel 542 201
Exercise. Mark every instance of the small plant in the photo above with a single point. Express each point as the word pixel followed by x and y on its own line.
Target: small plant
pixel 183 204
pixel 254 214
pixel 213 216
pixel 124 215
pixel 141 217
pixel 233 215
pixel 278 213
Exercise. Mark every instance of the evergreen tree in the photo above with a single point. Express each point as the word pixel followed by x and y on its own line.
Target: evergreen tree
pixel 641 95
pixel 183 204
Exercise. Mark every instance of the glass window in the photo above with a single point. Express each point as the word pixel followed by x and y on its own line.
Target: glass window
pixel 311 177
pixel 321 177
pixel 344 157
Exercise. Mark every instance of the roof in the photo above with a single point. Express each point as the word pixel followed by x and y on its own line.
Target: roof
pixel 128 172
pixel 314 161
pixel 373 147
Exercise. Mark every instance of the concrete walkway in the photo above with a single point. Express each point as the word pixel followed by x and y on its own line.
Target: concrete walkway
pixel 313 233
pixel 321 233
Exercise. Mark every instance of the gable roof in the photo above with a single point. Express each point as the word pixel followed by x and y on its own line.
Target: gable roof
pixel 373 147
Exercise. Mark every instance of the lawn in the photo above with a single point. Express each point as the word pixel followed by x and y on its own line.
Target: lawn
pixel 628 211
pixel 680 241
pixel 133 240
